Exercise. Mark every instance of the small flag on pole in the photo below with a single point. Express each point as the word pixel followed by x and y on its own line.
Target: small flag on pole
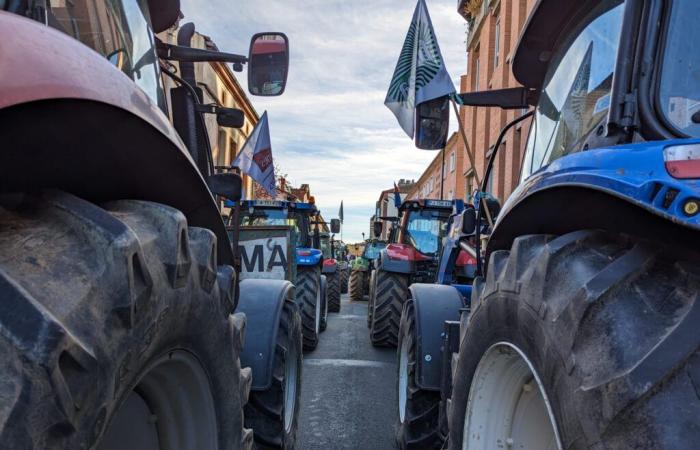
pixel 420 74
pixel 255 158
pixel 397 196
pixel 340 213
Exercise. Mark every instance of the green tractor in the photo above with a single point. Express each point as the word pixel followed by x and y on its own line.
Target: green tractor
pixel 362 268
pixel 341 253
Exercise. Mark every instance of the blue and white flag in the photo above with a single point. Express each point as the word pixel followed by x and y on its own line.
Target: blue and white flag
pixel 420 74
pixel 255 158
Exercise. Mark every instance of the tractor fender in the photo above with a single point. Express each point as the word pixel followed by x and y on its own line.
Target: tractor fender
pixel 622 189
pixel 69 120
pixel 308 256
pixel 329 267
pixel 433 305
pixel 262 302
pixel 387 264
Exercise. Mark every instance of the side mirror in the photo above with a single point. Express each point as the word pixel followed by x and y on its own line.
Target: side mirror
pixel 432 124
pixel 377 228
pixel 268 64
pixel 335 225
pixel 469 221
pixel 230 117
pixel 228 185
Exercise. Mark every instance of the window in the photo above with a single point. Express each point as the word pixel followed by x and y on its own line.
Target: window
pixel 576 93
pixel 497 44
pixel 425 230
pixel 452 162
pixel 679 93
pixel 476 74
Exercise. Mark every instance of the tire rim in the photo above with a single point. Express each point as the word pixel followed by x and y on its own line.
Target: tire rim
pixel 317 322
pixel 508 406
pixel 171 407
pixel 291 375
pixel 403 378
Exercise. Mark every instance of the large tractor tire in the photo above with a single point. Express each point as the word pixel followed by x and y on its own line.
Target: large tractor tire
pixel 344 277
pixel 371 288
pixel 586 340
pixel 117 329
pixel 324 304
pixel 308 291
pixel 273 414
pixel 390 294
pixel 333 294
pixel 356 285
pixel 419 409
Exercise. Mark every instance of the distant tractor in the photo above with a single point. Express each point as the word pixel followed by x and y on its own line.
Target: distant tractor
pixel 341 252
pixel 581 327
pixel 361 268
pixel 331 269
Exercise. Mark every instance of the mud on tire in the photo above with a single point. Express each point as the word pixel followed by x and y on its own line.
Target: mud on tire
pixel 417 423
pixel 308 292
pixel 609 324
pixel 98 301
pixel 333 293
pixel 274 426
pixel 356 285
pixel 390 294
pixel 344 277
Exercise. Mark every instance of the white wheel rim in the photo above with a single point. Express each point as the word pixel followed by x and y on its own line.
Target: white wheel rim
pixel 317 323
pixel 291 374
pixel 403 379
pixel 508 406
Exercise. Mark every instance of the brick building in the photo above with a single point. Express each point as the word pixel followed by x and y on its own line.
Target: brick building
pixel 451 181
pixel 494 29
pixel 385 206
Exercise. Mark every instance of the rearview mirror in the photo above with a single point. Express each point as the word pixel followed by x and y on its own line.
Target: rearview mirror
pixel 335 225
pixel 227 185
pixel 469 221
pixel 432 124
pixel 377 228
pixel 268 64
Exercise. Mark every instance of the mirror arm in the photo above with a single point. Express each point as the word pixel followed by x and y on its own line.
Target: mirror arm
pixel 189 54
pixel 509 98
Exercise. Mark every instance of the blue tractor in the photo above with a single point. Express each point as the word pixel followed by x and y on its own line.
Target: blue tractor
pixel 580 329
pixel 308 257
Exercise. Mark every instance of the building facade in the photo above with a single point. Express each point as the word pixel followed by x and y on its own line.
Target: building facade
pixel 494 29
pixel 386 207
pixel 443 179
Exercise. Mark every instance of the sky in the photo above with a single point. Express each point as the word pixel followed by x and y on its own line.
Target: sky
pixel 330 128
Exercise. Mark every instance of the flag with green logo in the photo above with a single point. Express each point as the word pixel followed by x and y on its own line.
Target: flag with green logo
pixel 420 74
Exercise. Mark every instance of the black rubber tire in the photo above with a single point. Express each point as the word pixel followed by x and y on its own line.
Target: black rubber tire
pixel 344 278
pixel 370 304
pixel 91 296
pixel 308 293
pixel 333 293
pixel 610 326
pixel 265 411
pixel 356 285
pixel 419 430
pixel 324 303
pixel 390 293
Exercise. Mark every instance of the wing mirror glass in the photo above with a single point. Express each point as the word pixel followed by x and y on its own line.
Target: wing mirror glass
pixel 469 221
pixel 335 225
pixel 432 124
pixel 228 185
pixel 377 228
pixel 268 64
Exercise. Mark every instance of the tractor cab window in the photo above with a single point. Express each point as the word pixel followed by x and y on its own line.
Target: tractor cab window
pixel 576 93
pixel 679 89
pixel 119 30
pixel 326 247
pixel 278 217
pixel 425 229
pixel 372 250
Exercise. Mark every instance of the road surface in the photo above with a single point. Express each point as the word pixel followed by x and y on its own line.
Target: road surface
pixel 348 387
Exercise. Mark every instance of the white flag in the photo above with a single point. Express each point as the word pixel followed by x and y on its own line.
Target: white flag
pixel 255 157
pixel 420 73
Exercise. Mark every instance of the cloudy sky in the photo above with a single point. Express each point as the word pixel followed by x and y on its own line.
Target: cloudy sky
pixel 331 129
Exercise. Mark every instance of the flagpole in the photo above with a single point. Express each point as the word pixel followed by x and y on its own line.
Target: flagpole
pixel 442 174
pixel 466 144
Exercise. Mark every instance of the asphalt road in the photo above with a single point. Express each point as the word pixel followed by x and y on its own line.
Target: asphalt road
pixel 348 387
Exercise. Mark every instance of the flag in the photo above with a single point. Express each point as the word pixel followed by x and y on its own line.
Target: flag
pixel 340 213
pixel 255 158
pixel 397 196
pixel 420 74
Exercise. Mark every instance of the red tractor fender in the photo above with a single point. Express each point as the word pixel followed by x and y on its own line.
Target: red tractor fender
pixel 404 252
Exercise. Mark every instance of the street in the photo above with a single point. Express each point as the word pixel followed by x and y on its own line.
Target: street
pixel 348 387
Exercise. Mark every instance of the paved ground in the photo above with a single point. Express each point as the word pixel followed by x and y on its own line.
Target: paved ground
pixel 348 387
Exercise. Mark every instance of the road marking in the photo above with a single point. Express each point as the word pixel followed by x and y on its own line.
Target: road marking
pixel 346 316
pixel 346 362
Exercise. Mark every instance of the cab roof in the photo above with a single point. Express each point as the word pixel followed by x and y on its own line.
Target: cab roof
pixel 427 203
pixel 274 204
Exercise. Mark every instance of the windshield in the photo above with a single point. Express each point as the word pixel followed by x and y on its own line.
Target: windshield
pixel 372 250
pixel 425 229
pixel 576 94
pixel 278 217
pixel 326 246
pixel 679 89
pixel 119 30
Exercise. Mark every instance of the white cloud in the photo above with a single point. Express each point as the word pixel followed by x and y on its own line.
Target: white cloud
pixel 331 129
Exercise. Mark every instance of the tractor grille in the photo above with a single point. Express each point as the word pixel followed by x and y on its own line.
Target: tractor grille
pixel 425 271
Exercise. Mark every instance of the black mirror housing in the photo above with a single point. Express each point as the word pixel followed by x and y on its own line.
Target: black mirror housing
pixel 228 185
pixel 377 228
pixel 268 64
pixel 469 221
pixel 432 124
pixel 335 225
pixel 230 117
